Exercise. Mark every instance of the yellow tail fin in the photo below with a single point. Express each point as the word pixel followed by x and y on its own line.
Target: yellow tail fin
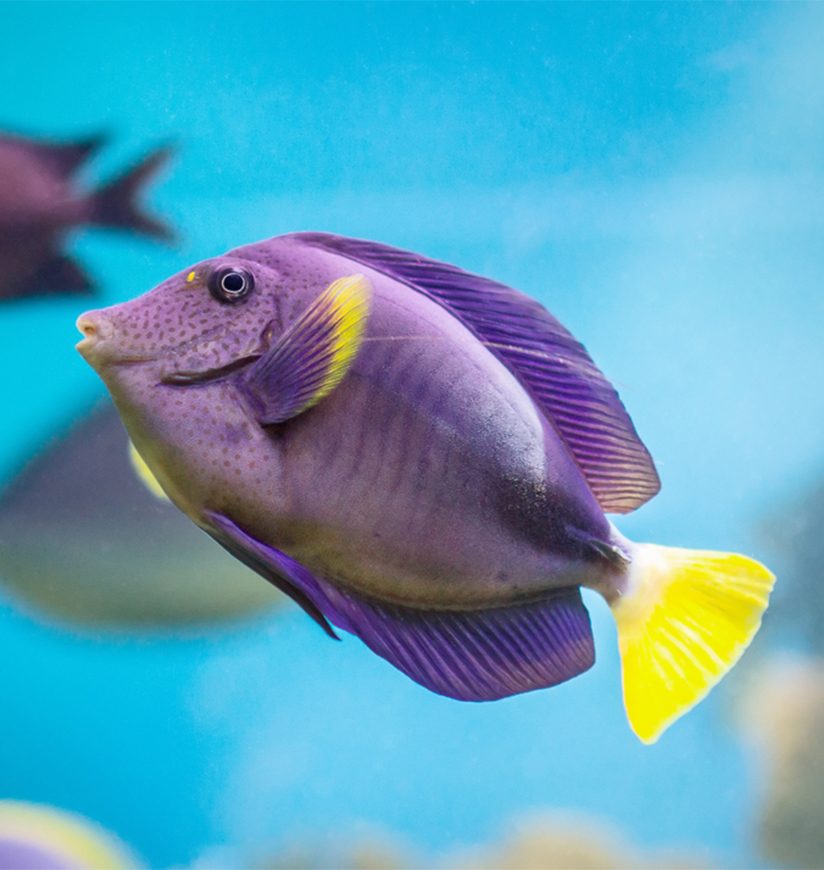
pixel 684 621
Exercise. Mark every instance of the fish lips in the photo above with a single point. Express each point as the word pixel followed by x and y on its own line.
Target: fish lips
pixel 97 346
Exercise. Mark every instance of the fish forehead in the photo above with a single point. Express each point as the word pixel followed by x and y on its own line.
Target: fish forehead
pixel 180 311
pixel 303 271
pixel 287 276
pixel 306 270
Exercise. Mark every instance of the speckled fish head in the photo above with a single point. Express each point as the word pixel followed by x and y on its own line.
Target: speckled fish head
pixel 206 319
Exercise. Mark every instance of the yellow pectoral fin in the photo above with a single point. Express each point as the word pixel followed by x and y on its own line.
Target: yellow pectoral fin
pixel 345 303
pixel 144 473
pixel 313 355
pixel 686 618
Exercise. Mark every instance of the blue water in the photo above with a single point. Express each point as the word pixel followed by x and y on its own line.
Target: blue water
pixel 653 173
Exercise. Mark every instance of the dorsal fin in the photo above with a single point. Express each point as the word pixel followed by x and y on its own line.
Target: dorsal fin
pixel 578 400
pixel 66 158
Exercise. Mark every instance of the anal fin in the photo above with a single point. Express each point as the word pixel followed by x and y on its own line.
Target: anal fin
pixel 470 655
pixel 477 655
pixel 279 569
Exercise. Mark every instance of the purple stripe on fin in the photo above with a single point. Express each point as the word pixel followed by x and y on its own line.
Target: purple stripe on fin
pixel 279 569
pixel 578 400
pixel 478 655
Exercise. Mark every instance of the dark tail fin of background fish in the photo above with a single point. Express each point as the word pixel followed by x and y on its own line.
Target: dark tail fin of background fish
pixel 116 203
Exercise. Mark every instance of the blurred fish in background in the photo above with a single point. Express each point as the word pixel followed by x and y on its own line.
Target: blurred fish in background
pixel 781 709
pixel 41 203
pixel 34 837
pixel 83 539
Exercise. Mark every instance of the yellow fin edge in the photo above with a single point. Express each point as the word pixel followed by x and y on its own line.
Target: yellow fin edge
pixel 685 620
pixel 144 473
pixel 73 839
pixel 346 302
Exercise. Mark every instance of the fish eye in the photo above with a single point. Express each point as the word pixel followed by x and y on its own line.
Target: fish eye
pixel 230 284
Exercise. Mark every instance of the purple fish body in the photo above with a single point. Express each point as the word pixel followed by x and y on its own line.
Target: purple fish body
pixel 40 203
pixel 418 455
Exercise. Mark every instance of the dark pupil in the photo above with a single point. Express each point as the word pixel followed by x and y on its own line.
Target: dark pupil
pixel 234 282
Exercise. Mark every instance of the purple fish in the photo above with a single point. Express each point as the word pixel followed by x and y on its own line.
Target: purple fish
pixel 424 458
pixel 40 203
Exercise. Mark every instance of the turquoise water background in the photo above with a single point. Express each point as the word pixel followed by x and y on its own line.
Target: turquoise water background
pixel 652 173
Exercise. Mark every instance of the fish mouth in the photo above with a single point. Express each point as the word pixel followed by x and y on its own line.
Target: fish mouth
pixel 98 349
pixel 93 351
pixel 96 346
pixel 95 331
pixel 205 376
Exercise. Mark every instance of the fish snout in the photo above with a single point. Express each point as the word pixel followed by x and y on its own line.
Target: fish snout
pixel 96 329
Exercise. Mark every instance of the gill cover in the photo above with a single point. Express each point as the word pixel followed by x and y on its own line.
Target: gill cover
pixel 314 354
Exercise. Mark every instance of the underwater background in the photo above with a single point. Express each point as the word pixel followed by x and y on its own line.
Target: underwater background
pixel 653 174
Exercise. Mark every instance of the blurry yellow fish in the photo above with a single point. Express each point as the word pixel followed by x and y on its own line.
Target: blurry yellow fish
pixel 34 836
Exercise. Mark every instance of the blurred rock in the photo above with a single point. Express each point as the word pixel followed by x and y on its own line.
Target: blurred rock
pixel 547 841
pixel 794 535
pixel 552 841
pixel 783 715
